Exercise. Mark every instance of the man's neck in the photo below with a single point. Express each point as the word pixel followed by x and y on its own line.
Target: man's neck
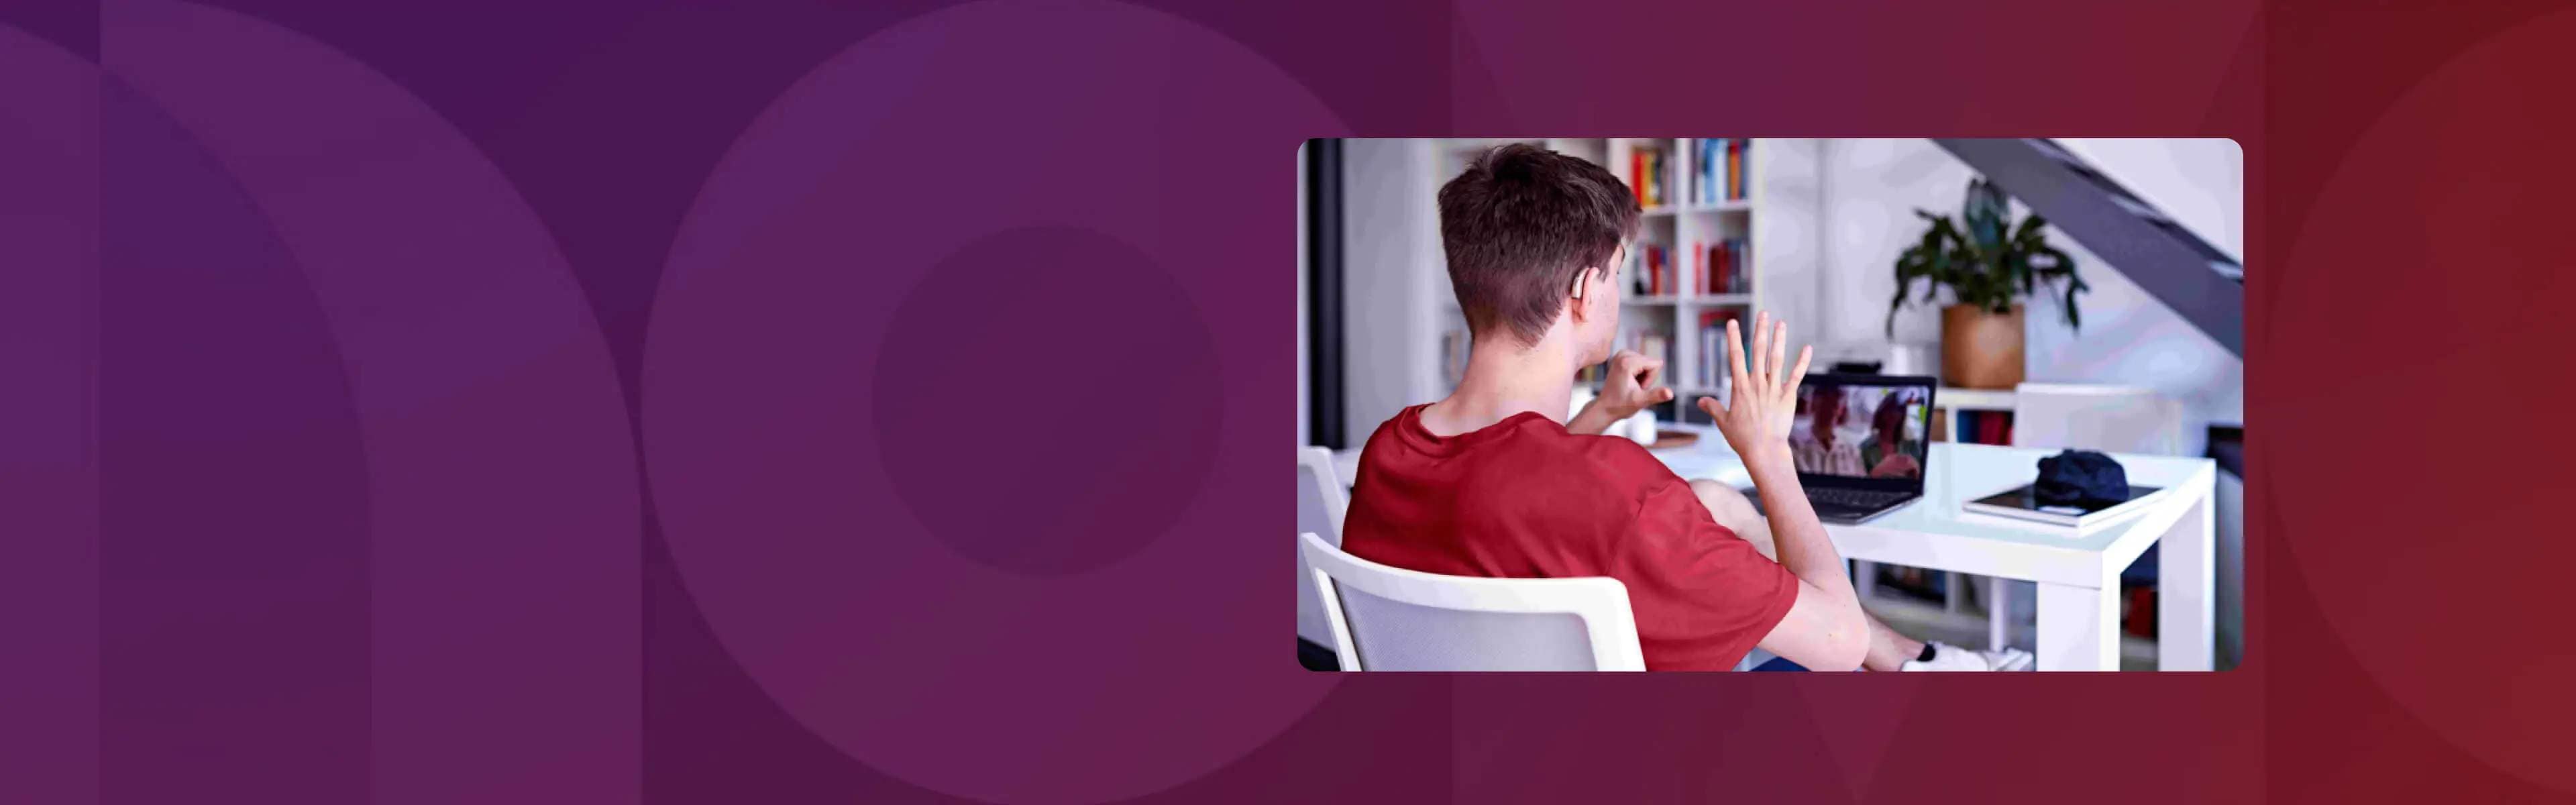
pixel 1505 379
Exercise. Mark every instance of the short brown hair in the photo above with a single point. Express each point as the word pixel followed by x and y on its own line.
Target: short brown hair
pixel 1519 224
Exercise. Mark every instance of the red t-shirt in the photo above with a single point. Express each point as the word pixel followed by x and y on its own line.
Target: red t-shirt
pixel 1523 498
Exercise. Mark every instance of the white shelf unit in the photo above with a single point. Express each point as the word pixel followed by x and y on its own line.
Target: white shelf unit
pixel 1684 229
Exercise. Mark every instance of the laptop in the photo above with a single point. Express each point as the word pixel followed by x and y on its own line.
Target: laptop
pixel 1859 441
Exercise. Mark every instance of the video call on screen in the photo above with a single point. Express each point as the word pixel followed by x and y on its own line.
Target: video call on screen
pixel 1864 431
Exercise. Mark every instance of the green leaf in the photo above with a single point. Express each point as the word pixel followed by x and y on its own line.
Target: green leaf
pixel 1984 258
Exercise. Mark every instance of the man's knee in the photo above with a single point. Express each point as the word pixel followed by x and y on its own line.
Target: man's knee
pixel 1729 507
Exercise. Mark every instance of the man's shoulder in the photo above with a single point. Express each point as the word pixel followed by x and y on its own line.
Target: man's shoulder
pixel 1560 458
pixel 1382 442
pixel 1533 450
pixel 1618 452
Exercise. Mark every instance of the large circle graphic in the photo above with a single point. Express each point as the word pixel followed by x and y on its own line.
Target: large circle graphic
pixel 2412 374
pixel 1113 441
pixel 932 402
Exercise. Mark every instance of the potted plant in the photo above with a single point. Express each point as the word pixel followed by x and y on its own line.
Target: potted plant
pixel 1989 264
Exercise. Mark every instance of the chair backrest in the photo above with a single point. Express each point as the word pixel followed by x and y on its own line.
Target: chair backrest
pixel 2118 419
pixel 1392 619
pixel 1320 505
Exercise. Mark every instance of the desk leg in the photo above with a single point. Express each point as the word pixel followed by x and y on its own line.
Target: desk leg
pixel 2187 588
pixel 2079 627
pixel 1998 614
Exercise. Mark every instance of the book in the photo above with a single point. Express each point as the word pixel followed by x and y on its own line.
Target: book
pixel 1637 176
pixel 1712 347
pixel 1733 164
pixel 1652 272
pixel 1739 156
pixel 1989 427
pixel 1740 254
pixel 1711 154
pixel 1655 163
pixel 1652 176
pixel 1725 259
pixel 1744 178
pixel 1647 173
pixel 1700 176
pixel 1724 266
pixel 2021 503
pixel 1711 357
pixel 1699 265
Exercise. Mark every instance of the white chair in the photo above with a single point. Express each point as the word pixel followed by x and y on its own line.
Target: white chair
pixel 1321 502
pixel 2112 419
pixel 1391 619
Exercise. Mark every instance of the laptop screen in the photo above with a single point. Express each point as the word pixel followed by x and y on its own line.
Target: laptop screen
pixel 1862 427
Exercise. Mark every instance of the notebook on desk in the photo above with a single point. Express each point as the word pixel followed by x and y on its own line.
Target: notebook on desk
pixel 2022 503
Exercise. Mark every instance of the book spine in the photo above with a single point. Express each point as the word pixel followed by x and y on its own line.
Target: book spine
pixel 1743 164
pixel 1637 175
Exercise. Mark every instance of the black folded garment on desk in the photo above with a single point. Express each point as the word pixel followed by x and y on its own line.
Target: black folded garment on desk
pixel 2080 476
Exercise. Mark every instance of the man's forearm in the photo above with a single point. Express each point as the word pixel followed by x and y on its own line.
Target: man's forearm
pixel 1796 535
pixel 1593 420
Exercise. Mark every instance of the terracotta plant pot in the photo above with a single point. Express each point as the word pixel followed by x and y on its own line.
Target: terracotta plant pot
pixel 1980 349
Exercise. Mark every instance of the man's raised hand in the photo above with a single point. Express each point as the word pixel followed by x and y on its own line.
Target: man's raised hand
pixel 1758 414
pixel 1630 386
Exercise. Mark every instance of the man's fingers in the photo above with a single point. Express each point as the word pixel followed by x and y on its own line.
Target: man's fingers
pixel 1799 375
pixel 1762 372
pixel 1647 374
pixel 1780 351
pixel 1663 395
pixel 1735 356
pixel 1709 404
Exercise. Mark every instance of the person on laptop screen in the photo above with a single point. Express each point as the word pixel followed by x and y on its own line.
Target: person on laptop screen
pixel 1888 453
pixel 1490 482
pixel 1821 446
pixel 1817 441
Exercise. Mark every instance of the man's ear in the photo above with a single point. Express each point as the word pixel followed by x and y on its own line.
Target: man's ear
pixel 1574 309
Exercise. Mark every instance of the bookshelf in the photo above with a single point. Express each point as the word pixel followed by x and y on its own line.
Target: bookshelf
pixel 1699 237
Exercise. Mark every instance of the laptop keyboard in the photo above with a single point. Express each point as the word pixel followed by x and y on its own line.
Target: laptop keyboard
pixel 1857 498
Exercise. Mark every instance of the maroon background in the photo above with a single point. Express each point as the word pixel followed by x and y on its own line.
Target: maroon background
pixel 2406 172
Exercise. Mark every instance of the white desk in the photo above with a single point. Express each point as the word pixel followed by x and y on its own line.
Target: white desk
pixel 2078 574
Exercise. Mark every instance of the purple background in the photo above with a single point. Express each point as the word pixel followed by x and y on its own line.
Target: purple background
pixel 696 402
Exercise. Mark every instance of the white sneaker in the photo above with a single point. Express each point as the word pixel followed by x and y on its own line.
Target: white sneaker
pixel 1946 657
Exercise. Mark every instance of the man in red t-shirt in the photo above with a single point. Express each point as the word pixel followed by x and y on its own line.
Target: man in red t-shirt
pixel 1488 482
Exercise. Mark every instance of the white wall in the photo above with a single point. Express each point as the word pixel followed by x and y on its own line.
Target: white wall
pixel 1789 237
pixel 1872 187
pixel 1392 271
